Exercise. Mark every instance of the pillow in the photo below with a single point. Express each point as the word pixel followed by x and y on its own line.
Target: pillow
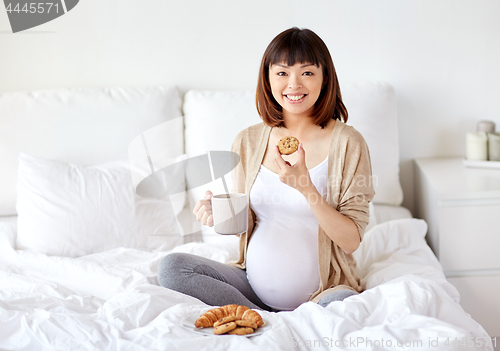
pixel 70 210
pixel 7 238
pixel 80 125
pixel 373 112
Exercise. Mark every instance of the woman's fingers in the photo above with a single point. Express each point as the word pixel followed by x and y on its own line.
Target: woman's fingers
pixel 205 202
pixel 278 159
pixel 203 210
pixel 200 204
pixel 302 155
pixel 207 218
pixel 293 175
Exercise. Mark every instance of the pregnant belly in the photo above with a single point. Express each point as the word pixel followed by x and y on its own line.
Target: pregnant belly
pixel 282 265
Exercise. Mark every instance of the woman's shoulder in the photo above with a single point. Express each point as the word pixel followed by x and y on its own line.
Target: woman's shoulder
pixel 348 134
pixel 252 133
pixel 254 129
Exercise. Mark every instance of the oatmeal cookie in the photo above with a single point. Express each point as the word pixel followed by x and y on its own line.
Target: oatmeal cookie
pixel 288 145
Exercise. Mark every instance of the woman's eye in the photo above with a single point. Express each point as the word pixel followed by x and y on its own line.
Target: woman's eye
pixel 308 73
pixel 281 74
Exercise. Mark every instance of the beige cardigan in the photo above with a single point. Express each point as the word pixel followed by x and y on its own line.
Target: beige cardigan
pixel 350 189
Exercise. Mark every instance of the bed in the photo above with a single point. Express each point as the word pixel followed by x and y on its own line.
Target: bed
pixel 79 248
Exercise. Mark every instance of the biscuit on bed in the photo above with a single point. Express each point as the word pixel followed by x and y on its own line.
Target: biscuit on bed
pixel 224 328
pixel 241 331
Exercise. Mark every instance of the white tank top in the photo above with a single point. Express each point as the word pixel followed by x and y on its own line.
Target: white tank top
pixel 282 256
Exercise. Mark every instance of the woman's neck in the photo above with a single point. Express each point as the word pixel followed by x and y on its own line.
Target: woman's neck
pixel 303 128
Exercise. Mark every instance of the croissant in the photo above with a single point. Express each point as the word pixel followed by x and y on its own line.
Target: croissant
pixel 208 318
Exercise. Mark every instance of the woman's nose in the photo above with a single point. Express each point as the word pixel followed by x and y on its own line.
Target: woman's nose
pixel 294 82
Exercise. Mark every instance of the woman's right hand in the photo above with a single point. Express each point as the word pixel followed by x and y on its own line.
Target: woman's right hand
pixel 203 210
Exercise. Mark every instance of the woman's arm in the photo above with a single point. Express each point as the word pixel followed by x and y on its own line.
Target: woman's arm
pixel 339 228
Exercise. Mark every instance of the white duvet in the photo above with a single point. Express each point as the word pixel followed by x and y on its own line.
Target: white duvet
pixel 112 301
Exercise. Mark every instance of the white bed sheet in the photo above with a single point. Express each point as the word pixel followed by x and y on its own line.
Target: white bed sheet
pixel 111 301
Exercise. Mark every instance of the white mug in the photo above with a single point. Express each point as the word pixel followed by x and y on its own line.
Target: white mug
pixel 230 213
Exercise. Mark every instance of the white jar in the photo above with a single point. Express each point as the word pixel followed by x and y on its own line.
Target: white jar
pixel 494 146
pixel 477 146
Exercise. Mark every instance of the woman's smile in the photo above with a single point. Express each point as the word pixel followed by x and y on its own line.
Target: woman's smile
pixel 295 98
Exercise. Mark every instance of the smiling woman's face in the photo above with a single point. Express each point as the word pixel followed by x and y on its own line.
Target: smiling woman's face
pixel 296 88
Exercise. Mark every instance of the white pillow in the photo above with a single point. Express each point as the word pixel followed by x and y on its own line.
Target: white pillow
pixel 372 111
pixel 70 210
pixel 81 125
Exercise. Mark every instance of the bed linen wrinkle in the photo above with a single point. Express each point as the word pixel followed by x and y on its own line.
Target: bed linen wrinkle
pixel 111 301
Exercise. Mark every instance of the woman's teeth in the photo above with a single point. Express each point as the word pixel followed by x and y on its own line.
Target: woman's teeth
pixel 295 97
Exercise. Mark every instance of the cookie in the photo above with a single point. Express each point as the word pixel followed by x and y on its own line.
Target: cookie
pixel 241 331
pixel 224 328
pixel 288 145
pixel 225 320
pixel 246 323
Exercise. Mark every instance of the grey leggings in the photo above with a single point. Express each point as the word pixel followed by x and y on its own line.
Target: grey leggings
pixel 212 282
pixel 216 283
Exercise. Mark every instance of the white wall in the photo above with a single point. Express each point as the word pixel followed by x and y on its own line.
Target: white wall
pixel 442 56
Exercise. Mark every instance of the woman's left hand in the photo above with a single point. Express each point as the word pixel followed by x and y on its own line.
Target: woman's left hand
pixel 296 176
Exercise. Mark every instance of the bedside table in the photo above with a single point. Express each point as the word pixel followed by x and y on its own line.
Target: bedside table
pixel 462 208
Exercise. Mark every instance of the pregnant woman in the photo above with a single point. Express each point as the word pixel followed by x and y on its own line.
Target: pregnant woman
pixel 307 210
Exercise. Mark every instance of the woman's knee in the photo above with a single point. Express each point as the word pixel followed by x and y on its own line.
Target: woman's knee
pixel 170 268
pixel 336 296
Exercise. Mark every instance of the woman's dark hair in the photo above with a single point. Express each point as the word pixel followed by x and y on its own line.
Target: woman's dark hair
pixel 293 46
